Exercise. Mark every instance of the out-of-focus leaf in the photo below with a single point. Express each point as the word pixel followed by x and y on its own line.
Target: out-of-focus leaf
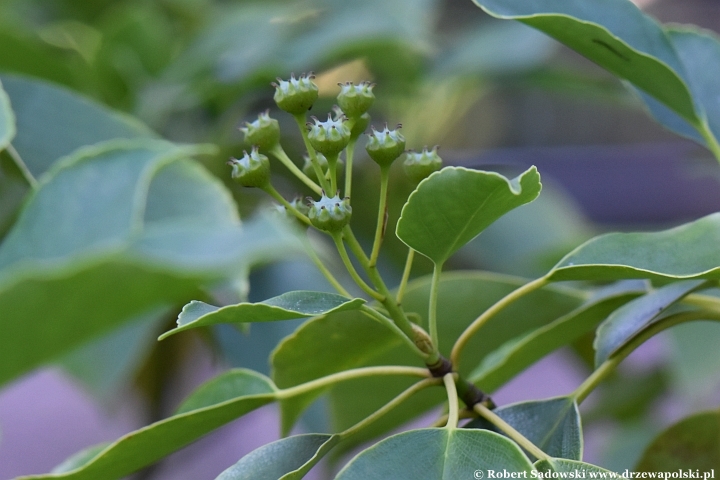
pixel 80 458
pixel 519 353
pixel 690 444
pixel 695 359
pixel 286 459
pixel 53 122
pixel 7 120
pixel 437 453
pixel 685 252
pixel 151 443
pixel 631 318
pixel 226 386
pixel 552 425
pixel 452 206
pixel 288 306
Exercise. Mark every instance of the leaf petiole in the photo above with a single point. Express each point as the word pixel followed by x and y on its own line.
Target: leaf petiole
pixel 508 430
pixel 453 417
pixel 382 216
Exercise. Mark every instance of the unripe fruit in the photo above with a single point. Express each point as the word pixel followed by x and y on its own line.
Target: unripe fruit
pixel 263 132
pixel 360 123
pixel 330 137
pixel 251 170
pixel 296 96
pixel 355 99
pixel 420 165
pixel 330 214
pixel 385 146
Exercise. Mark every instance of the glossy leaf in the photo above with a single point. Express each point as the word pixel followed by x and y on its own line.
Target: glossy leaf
pixel 685 252
pixel 153 442
pixel 631 318
pixel 452 206
pixel 288 306
pixel 53 122
pixel 616 35
pixel 326 345
pixel 438 454
pixel 574 467
pixel 102 240
pixel 7 120
pixel 286 459
pixel 519 353
pixel 552 425
pixel 692 443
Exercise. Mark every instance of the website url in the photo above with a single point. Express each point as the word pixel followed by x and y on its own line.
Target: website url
pixel 580 474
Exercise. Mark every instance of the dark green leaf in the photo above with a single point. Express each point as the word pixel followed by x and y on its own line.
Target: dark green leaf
pixel 685 252
pixel 552 425
pixel 438 454
pixel 628 320
pixel 452 206
pixel 300 304
pixel 287 459
pixel 53 122
pixel 149 444
pixel 519 353
pixel 616 35
pixel 691 443
pixel 579 469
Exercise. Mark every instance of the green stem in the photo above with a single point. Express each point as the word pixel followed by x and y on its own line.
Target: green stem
pixel 351 269
pixel 349 153
pixel 489 313
pixel 429 382
pixel 607 367
pixel 453 418
pixel 371 312
pixel 280 154
pixel 709 137
pixel 382 216
pixel 324 270
pixel 443 420
pixel 300 119
pixel 270 190
pixel 329 380
pixel 332 171
pixel 405 276
pixel 508 430
pixel 432 304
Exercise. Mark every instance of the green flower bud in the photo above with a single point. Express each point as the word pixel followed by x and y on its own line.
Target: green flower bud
pixel 309 170
pixel 251 170
pixel 330 214
pixel 285 214
pixel 385 146
pixel 420 165
pixel 355 99
pixel 263 132
pixel 330 137
pixel 296 96
pixel 360 125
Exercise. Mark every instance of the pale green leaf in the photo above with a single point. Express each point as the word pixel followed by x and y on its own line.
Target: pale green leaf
pixel 80 458
pixel 286 459
pixel 685 252
pixel 437 454
pixel 452 206
pixel 692 443
pixel 288 306
pixel 7 120
pixel 519 353
pixel 552 425
pixel 631 318
pixel 573 467
pixel 151 443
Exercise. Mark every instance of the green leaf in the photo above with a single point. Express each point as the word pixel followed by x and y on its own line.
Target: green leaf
pixel 692 443
pixel 80 458
pixel 286 459
pixel 288 306
pixel 7 120
pixel 53 122
pixel 519 353
pixel 616 35
pixel 630 319
pixel 149 444
pixel 452 206
pixel 438 454
pixel 91 227
pixel 335 342
pixel 579 469
pixel 552 425
pixel 685 252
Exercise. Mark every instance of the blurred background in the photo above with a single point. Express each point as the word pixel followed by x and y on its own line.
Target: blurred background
pixel 494 95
